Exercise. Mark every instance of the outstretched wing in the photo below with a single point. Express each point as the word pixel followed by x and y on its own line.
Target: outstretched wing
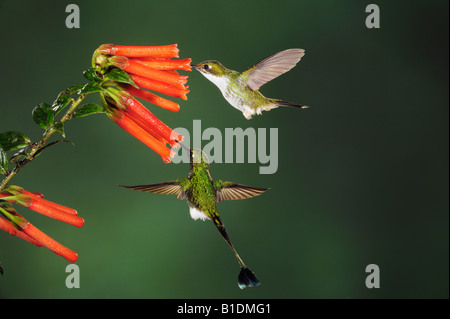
pixel 233 191
pixel 174 187
pixel 272 67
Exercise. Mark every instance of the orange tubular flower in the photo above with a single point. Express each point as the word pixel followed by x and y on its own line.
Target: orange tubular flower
pixel 30 233
pixel 50 243
pixel 152 98
pixel 40 197
pixel 164 51
pixel 136 68
pixel 160 87
pixel 9 228
pixel 42 206
pixel 165 64
pixel 143 116
pixel 122 119
pixel 151 68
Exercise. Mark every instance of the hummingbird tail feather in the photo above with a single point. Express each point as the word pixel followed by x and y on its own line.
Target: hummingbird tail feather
pixel 247 278
pixel 290 104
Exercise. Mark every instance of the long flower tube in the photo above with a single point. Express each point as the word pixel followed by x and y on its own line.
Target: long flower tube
pixel 42 206
pixel 160 87
pixel 62 208
pixel 35 234
pixel 128 124
pixel 134 109
pixel 136 68
pixel 165 51
pixel 50 243
pixel 165 64
pixel 152 98
pixel 9 228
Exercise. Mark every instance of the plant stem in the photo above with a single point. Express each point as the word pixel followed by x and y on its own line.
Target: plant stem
pixel 41 144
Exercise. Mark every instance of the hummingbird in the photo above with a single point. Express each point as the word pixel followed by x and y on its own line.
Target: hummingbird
pixel 241 90
pixel 202 194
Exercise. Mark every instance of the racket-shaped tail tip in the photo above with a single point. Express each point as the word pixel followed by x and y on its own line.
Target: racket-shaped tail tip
pixel 247 278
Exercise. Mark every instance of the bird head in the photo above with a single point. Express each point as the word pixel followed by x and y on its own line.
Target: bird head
pixel 198 158
pixel 211 67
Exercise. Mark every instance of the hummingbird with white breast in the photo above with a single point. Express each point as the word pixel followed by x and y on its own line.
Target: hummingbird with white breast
pixel 202 194
pixel 241 90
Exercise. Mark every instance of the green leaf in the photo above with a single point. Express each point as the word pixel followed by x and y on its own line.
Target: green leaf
pixel 11 141
pixel 120 75
pixel 3 161
pixel 18 156
pixel 75 88
pixel 60 103
pixel 91 87
pixel 60 128
pixel 88 109
pixel 91 75
pixel 43 115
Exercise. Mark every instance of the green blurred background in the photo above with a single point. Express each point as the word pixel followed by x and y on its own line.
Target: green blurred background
pixel 362 176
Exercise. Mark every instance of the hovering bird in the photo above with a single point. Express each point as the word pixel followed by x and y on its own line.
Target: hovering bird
pixel 202 194
pixel 241 90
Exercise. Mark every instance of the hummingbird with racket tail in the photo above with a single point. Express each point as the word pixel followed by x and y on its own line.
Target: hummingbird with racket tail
pixel 202 194
pixel 241 90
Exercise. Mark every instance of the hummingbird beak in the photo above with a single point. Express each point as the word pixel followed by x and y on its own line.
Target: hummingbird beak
pixel 195 66
pixel 186 148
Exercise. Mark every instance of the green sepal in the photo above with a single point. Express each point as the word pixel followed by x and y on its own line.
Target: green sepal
pixel 10 214
pixel 88 109
pixel 14 189
pixel 91 87
pixel 119 75
pixel 43 115
pixel 12 140
pixel 3 161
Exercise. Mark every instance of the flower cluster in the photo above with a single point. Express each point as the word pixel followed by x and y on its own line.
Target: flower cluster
pixel 16 225
pixel 146 68
pixel 120 75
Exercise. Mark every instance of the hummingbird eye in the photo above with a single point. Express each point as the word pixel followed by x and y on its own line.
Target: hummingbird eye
pixel 206 67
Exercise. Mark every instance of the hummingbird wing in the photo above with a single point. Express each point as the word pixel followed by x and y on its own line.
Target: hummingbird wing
pixel 174 187
pixel 233 191
pixel 272 67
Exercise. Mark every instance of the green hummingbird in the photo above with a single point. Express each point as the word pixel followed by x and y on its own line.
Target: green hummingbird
pixel 241 90
pixel 202 194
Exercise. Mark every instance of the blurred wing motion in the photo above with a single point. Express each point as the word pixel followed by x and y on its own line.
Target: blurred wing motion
pixel 233 191
pixel 272 67
pixel 166 188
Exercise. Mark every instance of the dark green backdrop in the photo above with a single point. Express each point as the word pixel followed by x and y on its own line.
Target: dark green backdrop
pixel 362 177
